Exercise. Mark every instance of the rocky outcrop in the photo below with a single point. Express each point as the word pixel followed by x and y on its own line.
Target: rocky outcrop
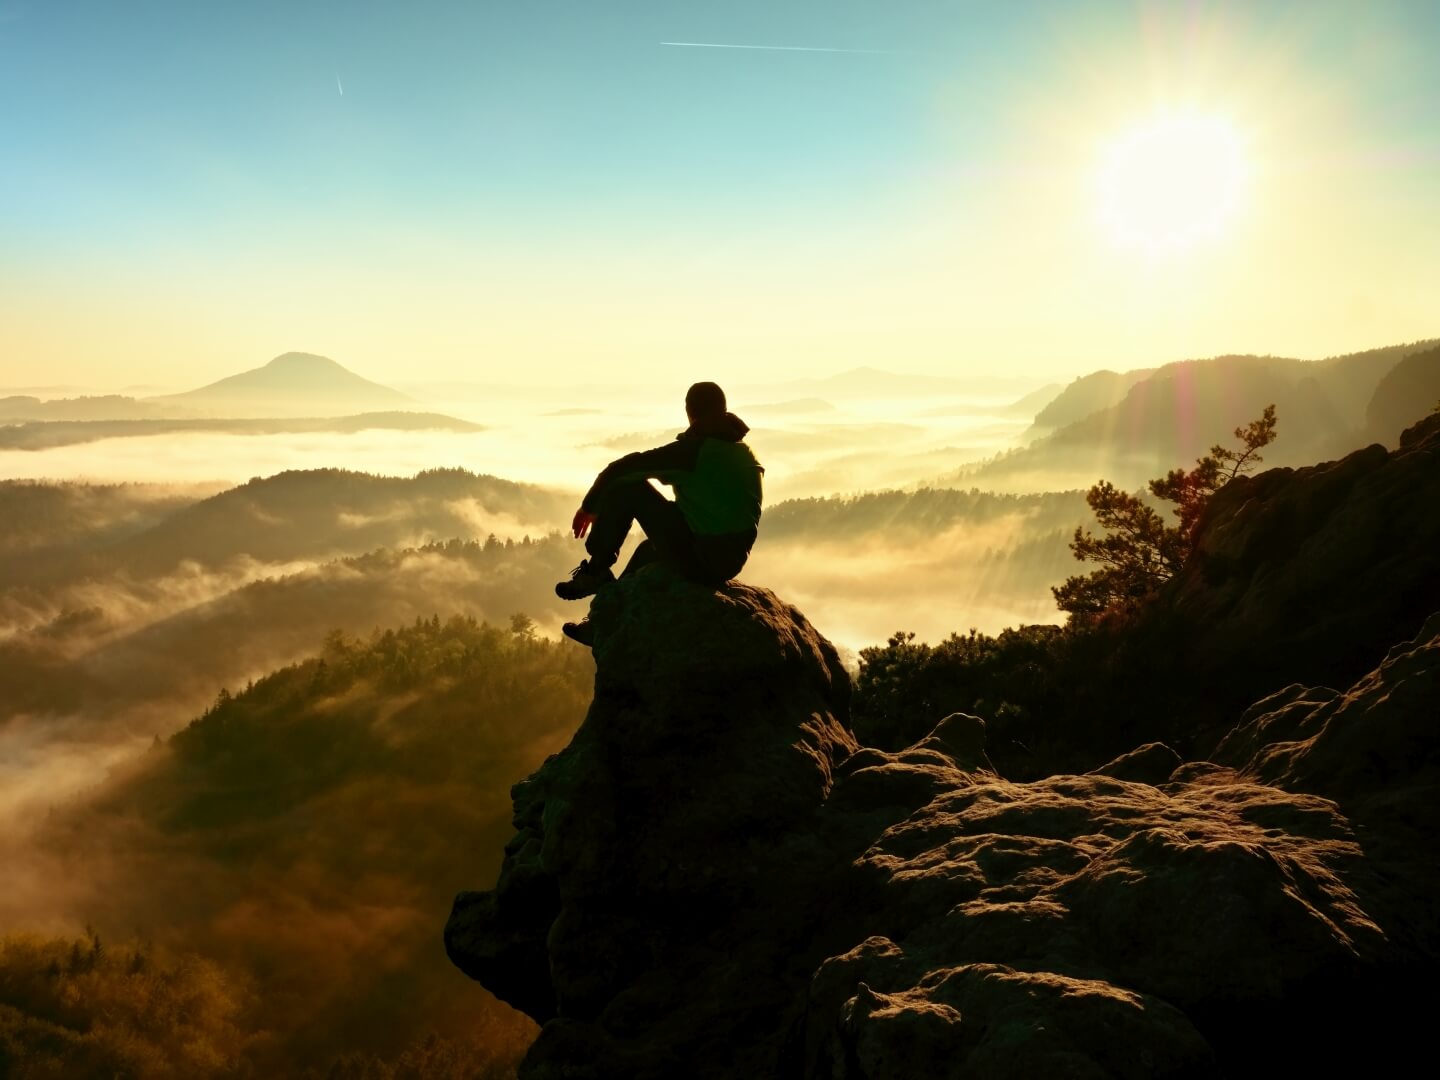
pixel 665 900
pixel 1351 746
pixel 1310 575
pixel 713 880
pixel 1086 926
pixel 1149 764
pixel 1269 911
pixel 1375 750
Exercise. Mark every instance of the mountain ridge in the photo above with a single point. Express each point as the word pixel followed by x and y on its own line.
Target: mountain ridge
pixel 291 382
pixel 1176 412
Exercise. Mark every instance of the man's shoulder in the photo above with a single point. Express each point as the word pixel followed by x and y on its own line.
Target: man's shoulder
pixel 732 449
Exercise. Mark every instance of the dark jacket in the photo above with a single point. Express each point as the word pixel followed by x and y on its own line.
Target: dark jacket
pixel 716 478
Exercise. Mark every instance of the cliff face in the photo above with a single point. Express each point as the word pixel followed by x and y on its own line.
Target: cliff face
pixel 1312 574
pixel 715 880
pixel 666 897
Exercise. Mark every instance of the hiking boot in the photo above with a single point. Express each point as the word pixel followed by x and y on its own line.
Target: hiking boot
pixel 585 580
pixel 582 631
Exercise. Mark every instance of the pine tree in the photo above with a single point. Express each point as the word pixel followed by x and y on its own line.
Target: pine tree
pixel 1139 552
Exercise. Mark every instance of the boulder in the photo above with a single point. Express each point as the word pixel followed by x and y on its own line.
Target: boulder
pixel 1088 926
pixel 1149 764
pixel 1374 750
pixel 664 901
pixel 1355 745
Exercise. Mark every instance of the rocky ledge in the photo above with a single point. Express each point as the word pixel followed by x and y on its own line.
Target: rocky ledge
pixel 714 880
pixel 659 903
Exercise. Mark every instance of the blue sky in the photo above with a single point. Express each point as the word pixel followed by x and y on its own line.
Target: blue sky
pixel 554 153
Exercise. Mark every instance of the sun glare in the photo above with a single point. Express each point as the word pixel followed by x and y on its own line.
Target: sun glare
pixel 1172 182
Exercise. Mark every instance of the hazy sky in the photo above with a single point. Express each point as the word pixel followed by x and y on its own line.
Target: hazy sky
pixel 540 191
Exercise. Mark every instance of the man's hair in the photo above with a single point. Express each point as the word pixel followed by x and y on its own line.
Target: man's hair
pixel 705 401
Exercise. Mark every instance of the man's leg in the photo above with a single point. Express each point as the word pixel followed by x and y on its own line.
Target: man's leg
pixel 668 536
pixel 619 507
pixel 668 539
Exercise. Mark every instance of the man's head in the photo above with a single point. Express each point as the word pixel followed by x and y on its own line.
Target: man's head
pixel 704 401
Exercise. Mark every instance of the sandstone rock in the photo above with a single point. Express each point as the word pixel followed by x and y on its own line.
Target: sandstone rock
pixel 1350 746
pixel 1131 905
pixel 946 759
pixel 1271 910
pixel 664 900
pixel 1309 575
pixel 1194 773
pixel 1374 750
pixel 994 1021
pixel 1149 764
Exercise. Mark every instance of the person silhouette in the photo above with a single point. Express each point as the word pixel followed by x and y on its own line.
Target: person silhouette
pixel 705 533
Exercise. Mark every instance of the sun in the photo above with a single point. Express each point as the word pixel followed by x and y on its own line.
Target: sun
pixel 1172 182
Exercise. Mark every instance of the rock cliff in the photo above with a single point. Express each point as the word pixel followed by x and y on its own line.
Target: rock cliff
pixel 714 880
pixel 1307 575
pixel 670 889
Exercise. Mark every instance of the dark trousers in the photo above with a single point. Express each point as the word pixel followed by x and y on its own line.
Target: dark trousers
pixel 668 535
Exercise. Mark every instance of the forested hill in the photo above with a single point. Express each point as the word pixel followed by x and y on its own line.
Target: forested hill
pixel 290 516
pixel 1410 385
pixel 71 518
pixel 299 839
pixel 927 511
pixel 317 512
pixel 147 667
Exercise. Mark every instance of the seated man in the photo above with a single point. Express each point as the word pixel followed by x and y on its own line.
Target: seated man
pixel 706 533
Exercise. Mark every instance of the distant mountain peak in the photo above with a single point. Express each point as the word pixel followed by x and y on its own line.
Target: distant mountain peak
pixel 304 361
pixel 294 383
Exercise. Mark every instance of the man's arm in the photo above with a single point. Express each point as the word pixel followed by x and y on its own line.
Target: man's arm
pixel 677 456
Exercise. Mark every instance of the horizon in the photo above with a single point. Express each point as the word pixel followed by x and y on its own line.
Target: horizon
pixel 1026 380
pixel 562 194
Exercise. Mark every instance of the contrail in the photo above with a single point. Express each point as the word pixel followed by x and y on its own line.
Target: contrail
pixel 338 86
pixel 770 48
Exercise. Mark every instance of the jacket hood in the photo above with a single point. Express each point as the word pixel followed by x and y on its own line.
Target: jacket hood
pixel 728 427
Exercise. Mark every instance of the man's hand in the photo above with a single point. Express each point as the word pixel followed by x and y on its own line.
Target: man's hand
pixel 582 522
